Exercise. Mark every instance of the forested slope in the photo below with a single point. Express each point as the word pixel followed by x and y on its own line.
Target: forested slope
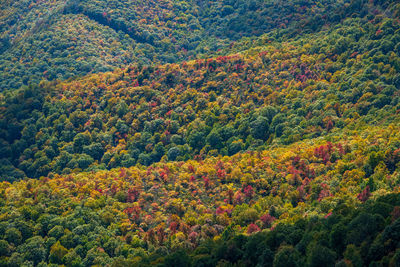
pixel 305 201
pixel 274 93
pixel 48 40
pixel 201 133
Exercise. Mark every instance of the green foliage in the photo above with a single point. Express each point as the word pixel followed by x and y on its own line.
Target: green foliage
pixel 271 94
pixel 57 253
pixel 225 133
pixel 258 250
pixel 43 42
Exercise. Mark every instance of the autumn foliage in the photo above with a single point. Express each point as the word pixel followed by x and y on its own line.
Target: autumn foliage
pixel 271 140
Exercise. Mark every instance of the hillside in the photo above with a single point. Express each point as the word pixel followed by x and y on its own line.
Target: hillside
pixel 199 133
pixel 141 214
pixel 275 93
pixel 48 40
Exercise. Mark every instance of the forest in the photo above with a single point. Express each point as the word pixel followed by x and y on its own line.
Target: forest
pixel 269 95
pixel 58 40
pixel 200 133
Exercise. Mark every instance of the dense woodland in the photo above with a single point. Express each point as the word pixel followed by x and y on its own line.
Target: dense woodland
pixel 202 133
pixel 315 204
pixel 275 93
pixel 49 40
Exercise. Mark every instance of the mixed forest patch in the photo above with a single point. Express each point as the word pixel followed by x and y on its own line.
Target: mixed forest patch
pixel 199 133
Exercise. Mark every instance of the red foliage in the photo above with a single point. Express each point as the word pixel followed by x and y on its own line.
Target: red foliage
pixel 221 173
pixel 252 228
pixel 238 198
pixel 230 196
pixel 267 219
pixel 206 182
pixel 324 152
pixel 249 192
pixel 150 236
pixel 133 195
pixel 191 168
pixel 324 192
pixel 222 59
pixel 295 173
pixel 193 237
pixel 160 235
pixel 164 176
pixel 133 212
pixel 220 165
pixel 173 226
pixel 184 228
pixel 302 192
pixel 354 54
pixel 296 160
pixel 219 211
pixel 365 194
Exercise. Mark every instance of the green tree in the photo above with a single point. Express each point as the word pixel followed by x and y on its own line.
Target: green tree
pixel 320 256
pixel 260 128
pixel 177 259
pixel 13 235
pixel 33 249
pixel 214 139
pixel 56 232
pixel 4 248
pixel 352 254
pixel 173 153
pixel 57 253
pixel 287 256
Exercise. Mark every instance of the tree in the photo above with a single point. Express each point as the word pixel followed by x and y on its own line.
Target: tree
pixel 173 153
pixel 84 161
pixel 4 248
pixel 177 259
pixel 72 259
pixel 352 254
pixel 56 232
pixel 57 253
pixel 268 112
pixel 33 249
pixel 78 118
pixel 196 140
pixel 214 139
pixel 320 256
pixel 260 128
pixel 12 235
pixel 95 150
pixel 287 256
pixel 81 140
pixel 235 147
